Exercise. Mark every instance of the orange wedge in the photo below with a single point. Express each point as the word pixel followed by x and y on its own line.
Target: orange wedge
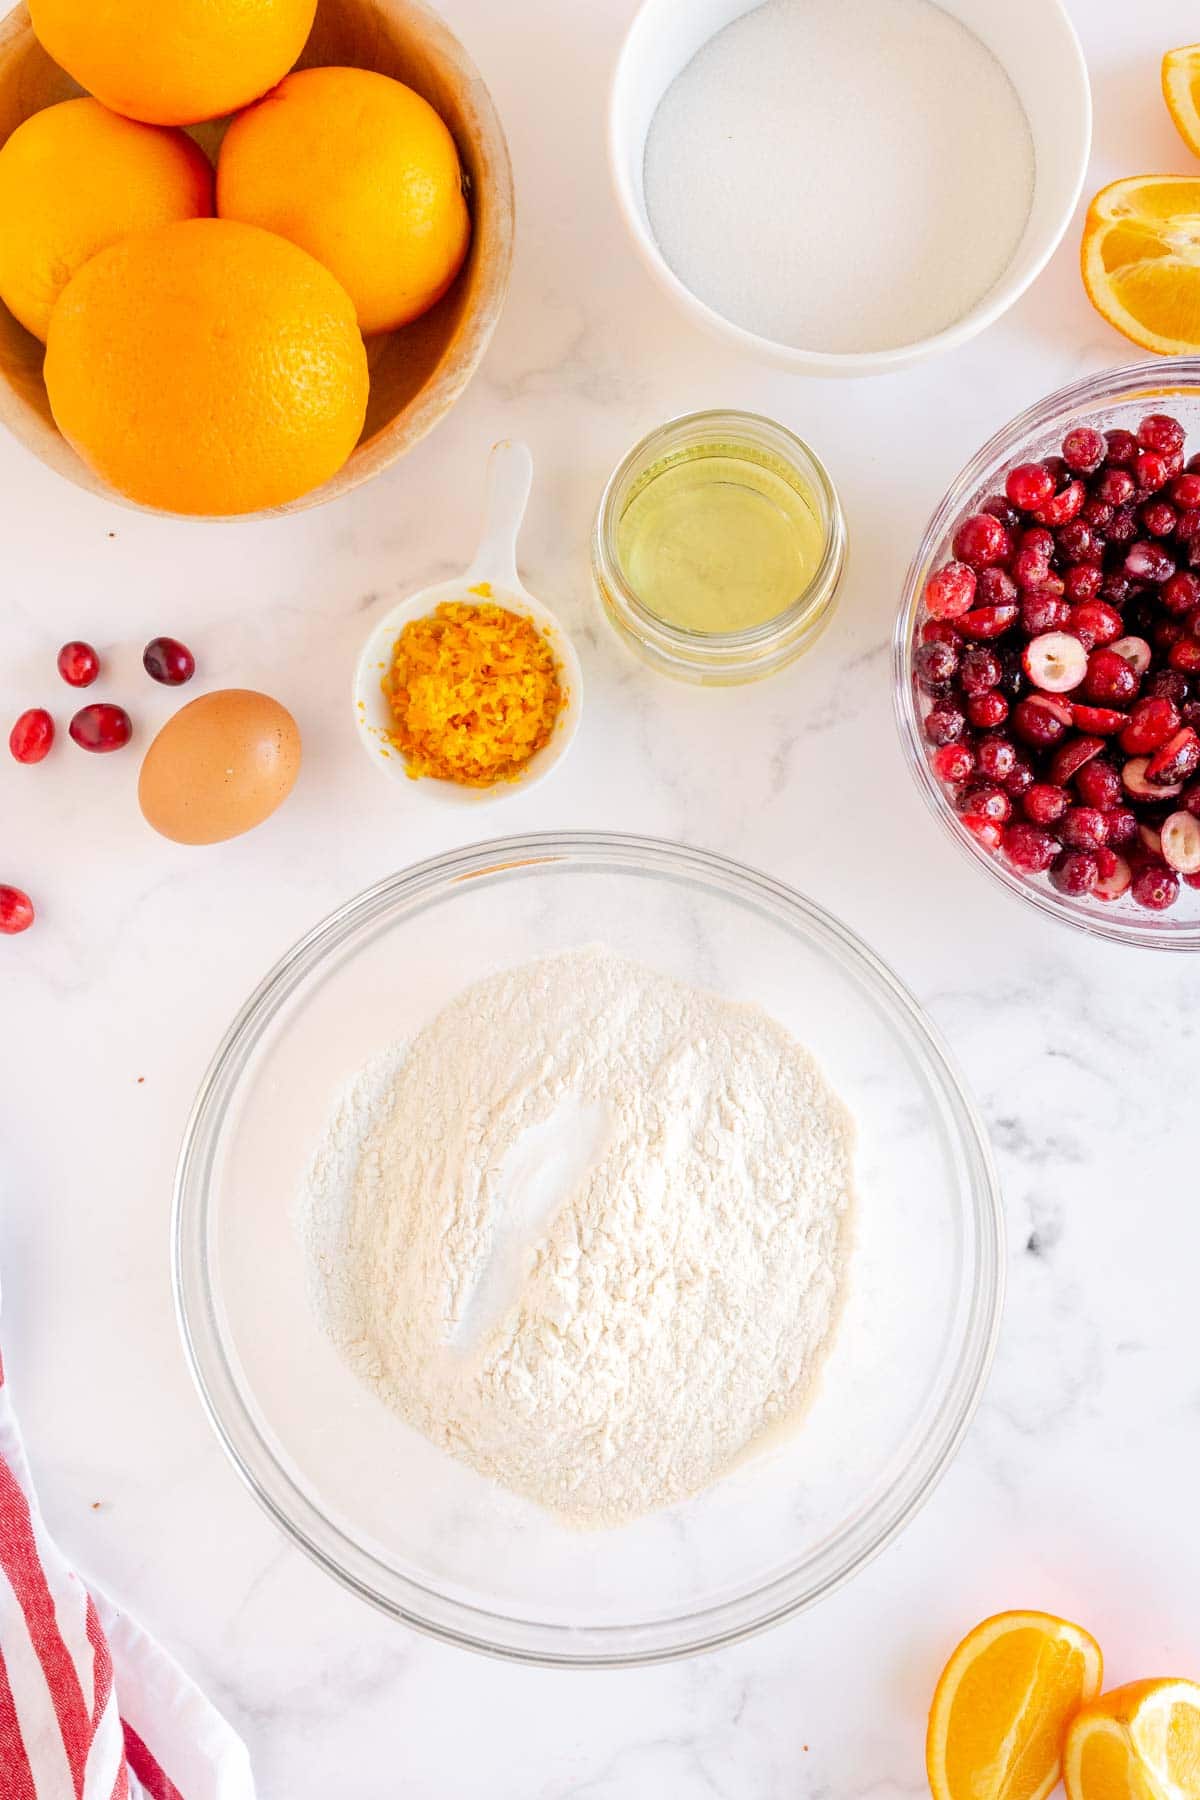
pixel 1141 1742
pixel 1140 260
pixel 1003 1704
pixel 1181 91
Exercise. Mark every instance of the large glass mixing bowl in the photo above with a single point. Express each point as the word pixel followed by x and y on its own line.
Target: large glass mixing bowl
pixel 421 1535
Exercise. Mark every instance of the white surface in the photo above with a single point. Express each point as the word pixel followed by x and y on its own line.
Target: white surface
pixel 1075 1488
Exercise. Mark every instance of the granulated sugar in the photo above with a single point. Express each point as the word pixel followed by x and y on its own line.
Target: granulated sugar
pixel 840 175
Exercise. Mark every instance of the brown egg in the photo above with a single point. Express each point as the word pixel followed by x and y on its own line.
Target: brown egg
pixel 219 767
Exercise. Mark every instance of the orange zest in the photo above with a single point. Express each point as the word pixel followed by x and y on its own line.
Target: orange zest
pixel 1140 260
pixel 1002 1706
pixel 1140 1742
pixel 474 692
pixel 1181 91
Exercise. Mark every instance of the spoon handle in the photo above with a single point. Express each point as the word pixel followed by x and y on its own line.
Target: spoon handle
pixel 509 477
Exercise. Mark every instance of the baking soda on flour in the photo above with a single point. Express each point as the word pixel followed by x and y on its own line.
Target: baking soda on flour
pixel 840 175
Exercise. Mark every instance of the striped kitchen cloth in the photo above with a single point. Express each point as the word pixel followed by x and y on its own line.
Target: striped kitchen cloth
pixel 91 1708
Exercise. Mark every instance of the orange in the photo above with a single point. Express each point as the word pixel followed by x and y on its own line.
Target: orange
pixel 1181 91
pixel 1140 1742
pixel 363 174
pixel 207 367
pixel 77 177
pixel 1140 260
pixel 174 62
pixel 1003 1704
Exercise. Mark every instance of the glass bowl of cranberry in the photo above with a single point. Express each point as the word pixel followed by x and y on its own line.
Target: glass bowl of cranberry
pixel 1047 655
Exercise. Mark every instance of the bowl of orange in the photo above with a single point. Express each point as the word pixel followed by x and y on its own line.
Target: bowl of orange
pixel 261 352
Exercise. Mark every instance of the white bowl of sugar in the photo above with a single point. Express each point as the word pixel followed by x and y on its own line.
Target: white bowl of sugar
pixel 847 186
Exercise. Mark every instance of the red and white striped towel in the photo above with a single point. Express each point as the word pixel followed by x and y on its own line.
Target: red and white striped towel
pixel 91 1708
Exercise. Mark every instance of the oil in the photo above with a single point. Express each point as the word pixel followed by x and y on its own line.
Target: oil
pixel 719 538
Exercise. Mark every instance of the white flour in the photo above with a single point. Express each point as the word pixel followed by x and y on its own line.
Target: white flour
pixel 588 1231
pixel 841 175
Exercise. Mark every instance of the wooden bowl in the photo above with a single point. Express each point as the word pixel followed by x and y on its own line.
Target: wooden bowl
pixel 416 374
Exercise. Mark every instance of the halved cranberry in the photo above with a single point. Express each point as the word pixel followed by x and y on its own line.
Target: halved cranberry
pixel 1177 760
pixel 1056 662
pixel 1029 485
pixel 1098 784
pixel 1095 622
pixel 1109 680
pixel 1185 490
pixel 951 591
pixel 1135 651
pixel 997 758
pixel 1082 583
pixel 980 540
pixel 1115 875
pixel 1116 486
pixel 1070 757
pixel 988 621
pixel 986 801
pixel 1159 431
pixel 954 762
pixel 944 723
pixel 1181 842
pixel 1038 721
pixel 16 910
pixel 1152 721
pixel 1083 449
pixel 979 670
pixel 101 728
pixel 987 831
pixel 1145 561
pixel 78 663
pixel 1064 506
pixel 1042 611
pixel 1084 828
pixel 935 666
pixel 1075 872
pixel 1133 779
pixel 985 711
pixel 1030 848
pixel 32 735
pixel 1044 803
pixel 1184 655
pixel 1155 886
pixel 995 587
pixel 1181 594
pixel 1120 824
pixel 1152 471
pixel 1097 721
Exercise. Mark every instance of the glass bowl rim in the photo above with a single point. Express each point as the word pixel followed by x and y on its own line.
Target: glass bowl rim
pixel 444 1616
pixel 1157 378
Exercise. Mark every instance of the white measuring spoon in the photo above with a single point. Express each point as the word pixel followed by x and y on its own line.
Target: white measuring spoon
pixel 492 575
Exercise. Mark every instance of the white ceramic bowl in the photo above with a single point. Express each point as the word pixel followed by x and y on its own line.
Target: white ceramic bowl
pixel 493 573
pixel 1035 42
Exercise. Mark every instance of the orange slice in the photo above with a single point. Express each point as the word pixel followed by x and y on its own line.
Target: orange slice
pixel 1140 260
pixel 1141 1742
pixel 1181 91
pixel 1003 1705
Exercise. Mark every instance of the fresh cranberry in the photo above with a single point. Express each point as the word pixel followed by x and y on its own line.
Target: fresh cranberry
pixel 1029 847
pixel 997 758
pixel 1095 622
pixel 1098 514
pixel 1158 518
pixel 1116 487
pixel 1166 684
pixel 986 831
pixel 1189 712
pixel 935 665
pixel 1043 611
pixel 1030 570
pixel 1120 824
pixel 1109 681
pixel 1082 583
pixel 1152 721
pixel 987 801
pixel 1065 506
pixel 1083 828
pixel 1097 721
pixel 1012 682
pixel 1075 872
pixel 1123 527
pixel 1159 431
pixel 1022 777
pixel 1185 490
pixel 1145 561
pixel 1038 541
pixel 1044 803
pixel 1115 589
pixel 940 631
pixel 997 506
pixel 994 587
pixel 1191 799
pixel 101 728
pixel 1155 886
pixel 1038 723
pixel 1169 632
pixel 1189 519
pixel 1122 448
pixel 1152 472
pixel 987 710
pixel 1175 761
pixel 954 763
pixel 944 724
pixel 1180 593
pixel 1077 542
pixel 951 591
pixel 16 910
pixel 1083 450
pixel 1029 485
pixel 167 660
pixel 981 540
pixel 1184 655
pixel 979 670
pixel 988 621
pixel 1072 756
pixel 78 663
pixel 32 735
pixel 1098 784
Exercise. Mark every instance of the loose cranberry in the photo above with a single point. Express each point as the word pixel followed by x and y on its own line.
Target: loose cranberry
pixel 1159 431
pixel 1155 886
pixel 78 663
pixel 1145 561
pixel 1098 784
pixel 1123 527
pixel 1185 490
pixel 1044 803
pixel 1180 593
pixel 954 763
pixel 167 660
pixel 981 540
pixel 979 670
pixel 16 910
pixel 1115 875
pixel 951 591
pixel 1152 721
pixel 1152 471
pixel 987 710
pixel 1029 485
pixel 1082 583
pixel 998 507
pixel 1109 680
pixel 944 724
pixel 32 735
pixel 1097 721
pixel 1043 611
pixel 1176 761
pixel 935 665
pixel 1030 848
pixel 1181 843
pixel 1038 723
pixel 1116 487
pixel 997 758
pixel 993 587
pixel 1083 450
pixel 1070 757
pixel 1098 514
pixel 1121 825
pixel 1022 778
pixel 1030 569
pixel 1122 448
pixel 1095 622
pixel 1038 542
pixel 1077 542
pixel 1075 872
pixel 1158 518
pixel 101 728
pixel 988 621
pixel 1064 506
pixel 987 831
pixel 1135 651
pixel 987 801
pixel 1166 684
pixel 1184 655
pixel 1084 828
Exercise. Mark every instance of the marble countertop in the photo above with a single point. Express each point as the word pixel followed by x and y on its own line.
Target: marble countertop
pixel 1075 1488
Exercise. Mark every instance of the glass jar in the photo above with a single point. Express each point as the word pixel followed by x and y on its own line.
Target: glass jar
pixel 721 657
